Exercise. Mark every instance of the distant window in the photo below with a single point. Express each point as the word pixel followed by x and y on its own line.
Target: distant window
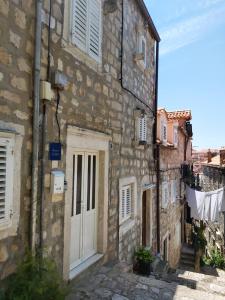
pixel 143 129
pixel 175 136
pixel 142 50
pixel 173 191
pixel 165 195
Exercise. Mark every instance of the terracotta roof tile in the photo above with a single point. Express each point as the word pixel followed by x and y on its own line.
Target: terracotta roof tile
pixel 180 114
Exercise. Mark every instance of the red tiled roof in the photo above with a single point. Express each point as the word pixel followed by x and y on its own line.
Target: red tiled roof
pixel 180 114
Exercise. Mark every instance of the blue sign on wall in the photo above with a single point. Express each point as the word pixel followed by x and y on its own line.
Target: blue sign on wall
pixel 55 151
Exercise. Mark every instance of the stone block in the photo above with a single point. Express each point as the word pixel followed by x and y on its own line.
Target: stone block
pixel 14 38
pixel 5 57
pixel 23 65
pixel 10 96
pixel 19 83
pixel 4 7
pixel 20 18
pixel 56 229
pixel 3 253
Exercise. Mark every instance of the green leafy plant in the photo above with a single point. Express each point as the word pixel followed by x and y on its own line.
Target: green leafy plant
pixel 36 279
pixel 144 254
pixel 217 260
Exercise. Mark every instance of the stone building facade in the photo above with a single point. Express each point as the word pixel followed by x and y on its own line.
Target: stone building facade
pixel 213 178
pixel 175 149
pixel 102 114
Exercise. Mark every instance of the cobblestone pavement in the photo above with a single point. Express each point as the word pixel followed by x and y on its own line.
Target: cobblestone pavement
pixel 118 283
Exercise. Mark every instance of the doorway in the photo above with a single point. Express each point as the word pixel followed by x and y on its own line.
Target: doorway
pixel 83 207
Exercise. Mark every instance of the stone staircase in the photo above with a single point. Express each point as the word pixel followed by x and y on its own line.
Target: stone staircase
pixel 187 259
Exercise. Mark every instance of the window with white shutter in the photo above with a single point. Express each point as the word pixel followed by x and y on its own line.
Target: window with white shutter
pixel 125 203
pixel 175 136
pixel 165 195
pixel 173 191
pixel 142 50
pixel 6 179
pixel 86 26
pixel 143 129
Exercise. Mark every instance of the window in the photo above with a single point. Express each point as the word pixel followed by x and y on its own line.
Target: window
pixel 173 191
pixel 142 129
pixel 165 195
pixel 125 203
pixel 86 26
pixel 6 180
pixel 164 132
pixel 175 136
pixel 142 49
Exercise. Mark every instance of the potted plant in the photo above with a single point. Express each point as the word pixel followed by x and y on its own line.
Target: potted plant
pixel 143 259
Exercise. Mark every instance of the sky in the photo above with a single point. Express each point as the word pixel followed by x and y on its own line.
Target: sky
pixel 192 64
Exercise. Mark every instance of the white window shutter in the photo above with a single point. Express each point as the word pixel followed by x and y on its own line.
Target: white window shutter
pixel 6 179
pixel 80 23
pixel 142 129
pixel 165 195
pixel 128 201
pixel 175 190
pixel 125 203
pixel 95 28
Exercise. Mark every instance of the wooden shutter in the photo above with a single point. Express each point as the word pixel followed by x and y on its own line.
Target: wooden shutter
pixel 173 191
pixel 142 129
pixel 94 28
pixel 6 179
pixel 165 195
pixel 80 23
pixel 125 203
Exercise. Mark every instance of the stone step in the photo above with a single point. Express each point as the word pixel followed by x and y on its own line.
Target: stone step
pixel 181 289
pixel 187 262
pixel 187 256
pixel 185 293
pixel 202 282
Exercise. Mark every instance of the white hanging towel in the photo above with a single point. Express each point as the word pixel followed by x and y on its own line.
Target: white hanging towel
pixel 195 200
pixel 206 206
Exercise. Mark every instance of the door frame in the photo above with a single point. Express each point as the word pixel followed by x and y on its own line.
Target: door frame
pixel 80 139
pixel 149 188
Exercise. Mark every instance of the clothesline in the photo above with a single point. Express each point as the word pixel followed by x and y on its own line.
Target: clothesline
pixel 206 206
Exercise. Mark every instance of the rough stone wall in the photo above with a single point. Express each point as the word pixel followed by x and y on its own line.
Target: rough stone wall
pixel 93 99
pixel 213 178
pixel 169 218
pixel 16 63
pixel 170 163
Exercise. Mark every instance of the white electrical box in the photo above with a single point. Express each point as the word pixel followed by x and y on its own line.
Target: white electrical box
pixel 57 182
pixel 46 92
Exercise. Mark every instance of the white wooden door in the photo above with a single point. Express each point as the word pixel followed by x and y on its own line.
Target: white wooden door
pixel 84 207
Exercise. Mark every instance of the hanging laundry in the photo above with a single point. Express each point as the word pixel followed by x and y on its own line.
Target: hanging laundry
pixel 206 206
pixel 195 200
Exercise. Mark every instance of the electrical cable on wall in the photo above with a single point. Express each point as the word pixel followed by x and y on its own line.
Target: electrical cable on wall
pixel 56 115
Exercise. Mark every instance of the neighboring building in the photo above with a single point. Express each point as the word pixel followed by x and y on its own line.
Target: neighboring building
pixel 102 113
pixel 213 178
pixel 200 156
pixel 174 135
